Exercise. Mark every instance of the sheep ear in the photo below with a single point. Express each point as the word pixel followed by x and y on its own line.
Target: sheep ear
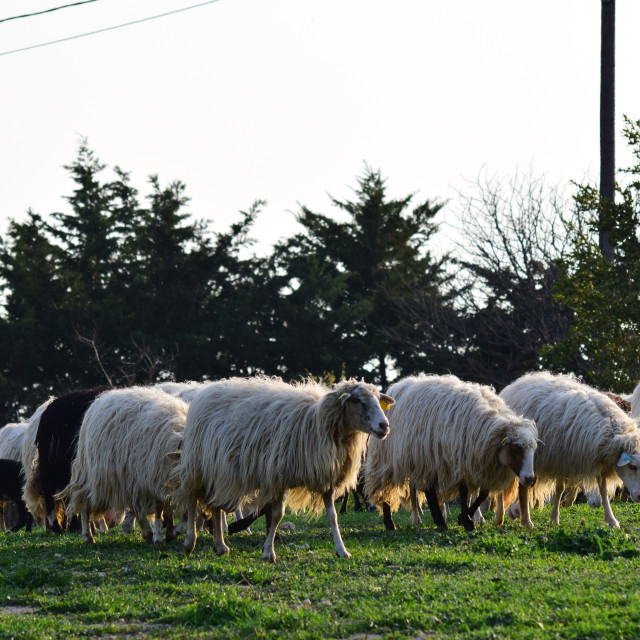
pixel 344 397
pixel 174 455
pixel 624 460
pixel 386 401
pixel 540 443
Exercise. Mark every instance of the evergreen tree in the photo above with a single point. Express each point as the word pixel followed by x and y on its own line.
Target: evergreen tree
pixel 343 280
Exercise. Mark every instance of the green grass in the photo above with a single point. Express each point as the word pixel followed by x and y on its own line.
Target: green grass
pixel 579 580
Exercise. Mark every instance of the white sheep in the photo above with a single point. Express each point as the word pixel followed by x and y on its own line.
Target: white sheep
pixel 269 441
pixel 122 457
pixel 588 440
pixel 11 436
pixel 448 436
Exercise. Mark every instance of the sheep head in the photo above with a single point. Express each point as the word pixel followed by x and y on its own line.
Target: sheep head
pixel 627 469
pixel 363 408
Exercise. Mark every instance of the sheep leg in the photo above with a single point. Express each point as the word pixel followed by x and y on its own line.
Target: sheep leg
pixel 498 518
pixel 170 531
pixel 473 509
pixel 555 512
pixel 192 534
pixel 86 527
pixel 145 527
pixel 103 526
pixel 219 546
pixel 276 511
pixel 609 518
pixel 464 519
pixel 157 525
pixel 415 506
pixel 358 505
pixel 523 499
pixel 3 526
pixel 341 550
pixel 238 515
pixel 387 519
pixel 571 496
pixel 129 522
pixel 434 507
pixel 245 523
pixel 345 500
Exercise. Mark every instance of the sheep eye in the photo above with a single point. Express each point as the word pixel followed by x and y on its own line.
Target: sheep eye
pixel 633 467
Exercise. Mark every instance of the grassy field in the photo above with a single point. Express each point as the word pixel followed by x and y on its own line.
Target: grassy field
pixel 579 580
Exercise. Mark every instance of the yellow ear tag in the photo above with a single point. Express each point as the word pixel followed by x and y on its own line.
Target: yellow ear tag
pixel 385 405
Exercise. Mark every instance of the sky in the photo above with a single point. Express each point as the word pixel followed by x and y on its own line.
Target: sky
pixel 289 100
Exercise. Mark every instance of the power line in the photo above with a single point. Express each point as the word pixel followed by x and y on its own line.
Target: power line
pixel 39 13
pixel 118 26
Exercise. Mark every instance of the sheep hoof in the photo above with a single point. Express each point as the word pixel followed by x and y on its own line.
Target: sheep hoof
pixel 614 524
pixel 466 522
pixel 223 550
pixel 89 539
pixel 344 554
pixel 269 557
pixel 158 543
pixel 528 524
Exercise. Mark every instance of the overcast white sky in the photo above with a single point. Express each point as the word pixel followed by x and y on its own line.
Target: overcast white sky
pixel 285 100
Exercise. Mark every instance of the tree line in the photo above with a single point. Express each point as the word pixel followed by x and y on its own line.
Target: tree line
pixel 123 289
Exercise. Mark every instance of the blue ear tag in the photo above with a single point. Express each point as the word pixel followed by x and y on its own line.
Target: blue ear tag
pixel 624 459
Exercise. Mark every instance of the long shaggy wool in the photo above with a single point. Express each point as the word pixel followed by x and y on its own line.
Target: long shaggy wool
pixel 584 431
pixel 443 432
pixel 260 439
pixel 123 446
pixel 184 390
pixel 11 436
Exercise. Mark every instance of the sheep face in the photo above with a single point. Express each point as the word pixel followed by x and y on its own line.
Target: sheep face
pixel 627 469
pixel 363 411
pixel 519 458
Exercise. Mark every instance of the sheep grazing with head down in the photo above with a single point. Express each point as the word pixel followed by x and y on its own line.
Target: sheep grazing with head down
pixel 56 441
pixel 269 441
pixel 588 439
pixel 447 437
pixel 122 458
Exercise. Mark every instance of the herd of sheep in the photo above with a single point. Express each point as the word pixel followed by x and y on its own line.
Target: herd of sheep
pixel 259 445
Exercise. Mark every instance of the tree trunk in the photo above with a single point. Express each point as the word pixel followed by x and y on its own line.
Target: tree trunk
pixel 607 115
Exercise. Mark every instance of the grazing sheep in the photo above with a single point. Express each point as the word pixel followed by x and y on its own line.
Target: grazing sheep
pixel 589 440
pixel 122 457
pixel 448 436
pixel 11 436
pixel 11 489
pixel 56 443
pixel 267 441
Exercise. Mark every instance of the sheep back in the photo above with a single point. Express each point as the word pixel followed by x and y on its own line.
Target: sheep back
pixel 258 439
pixel 443 432
pixel 584 432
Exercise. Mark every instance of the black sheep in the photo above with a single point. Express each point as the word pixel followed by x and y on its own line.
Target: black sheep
pixel 57 442
pixel 11 481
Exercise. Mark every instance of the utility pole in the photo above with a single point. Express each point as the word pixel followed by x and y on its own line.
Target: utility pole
pixel 607 115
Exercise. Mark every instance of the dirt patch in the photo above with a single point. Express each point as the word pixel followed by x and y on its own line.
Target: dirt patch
pixel 18 610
